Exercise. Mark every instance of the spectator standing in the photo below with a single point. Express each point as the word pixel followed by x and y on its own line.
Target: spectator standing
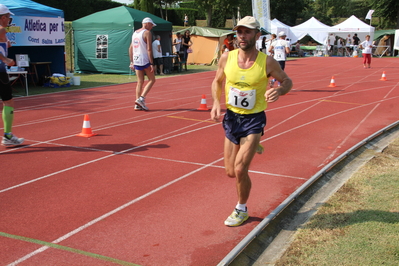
pixel 264 45
pixel 229 42
pixel 298 49
pixel 185 20
pixel 348 43
pixel 5 88
pixel 157 52
pixel 141 60
pixel 186 45
pixel 356 41
pixel 269 43
pixel 331 42
pixel 177 43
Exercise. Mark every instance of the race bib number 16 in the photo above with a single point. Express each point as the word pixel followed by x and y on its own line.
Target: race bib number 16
pixel 242 99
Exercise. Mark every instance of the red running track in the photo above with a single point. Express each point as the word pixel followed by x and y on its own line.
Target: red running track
pixel 150 188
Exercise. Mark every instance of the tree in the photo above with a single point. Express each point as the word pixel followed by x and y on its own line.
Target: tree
pixel 289 11
pixel 206 5
pixel 329 11
pixel 75 9
pixel 388 11
pixel 161 3
pixel 217 10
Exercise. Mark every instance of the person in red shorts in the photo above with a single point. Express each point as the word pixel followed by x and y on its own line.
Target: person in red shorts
pixel 367 47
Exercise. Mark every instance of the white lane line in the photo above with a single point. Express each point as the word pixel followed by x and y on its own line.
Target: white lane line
pixel 354 129
pixel 79 229
pixel 102 158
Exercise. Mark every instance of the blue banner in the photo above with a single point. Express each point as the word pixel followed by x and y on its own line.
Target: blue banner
pixel 36 31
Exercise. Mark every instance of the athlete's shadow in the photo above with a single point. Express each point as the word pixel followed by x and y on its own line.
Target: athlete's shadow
pixel 119 148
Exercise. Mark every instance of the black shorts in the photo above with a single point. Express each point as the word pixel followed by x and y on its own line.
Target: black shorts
pixel 237 126
pixel 282 64
pixel 5 87
pixel 158 61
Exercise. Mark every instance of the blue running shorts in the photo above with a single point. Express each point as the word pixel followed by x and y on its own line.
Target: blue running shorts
pixel 237 126
pixel 142 67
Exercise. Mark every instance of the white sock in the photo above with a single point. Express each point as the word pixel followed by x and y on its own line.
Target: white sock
pixel 241 207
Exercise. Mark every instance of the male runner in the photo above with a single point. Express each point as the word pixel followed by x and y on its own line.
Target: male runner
pixel 246 72
pixel 141 60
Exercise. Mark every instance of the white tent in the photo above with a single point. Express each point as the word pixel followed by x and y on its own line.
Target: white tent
pixel 278 26
pixel 396 43
pixel 312 27
pixel 353 25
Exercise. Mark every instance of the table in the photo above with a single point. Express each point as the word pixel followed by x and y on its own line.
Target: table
pixel 308 49
pixel 24 74
pixel 168 63
pixel 34 69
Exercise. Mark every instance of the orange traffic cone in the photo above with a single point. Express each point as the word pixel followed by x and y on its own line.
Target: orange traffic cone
pixel 86 130
pixel 383 77
pixel 332 83
pixel 203 106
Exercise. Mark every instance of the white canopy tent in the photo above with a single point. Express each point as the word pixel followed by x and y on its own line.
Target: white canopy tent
pixel 278 26
pixel 396 42
pixel 350 26
pixel 312 27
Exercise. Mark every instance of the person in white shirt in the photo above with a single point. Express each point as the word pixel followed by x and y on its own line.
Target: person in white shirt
pixel 279 49
pixel 367 47
pixel 269 43
pixel 348 43
pixel 157 52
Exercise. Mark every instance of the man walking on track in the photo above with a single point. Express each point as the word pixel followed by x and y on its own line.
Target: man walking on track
pixel 280 48
pixel 246 71
pixel 5 87
pixel 141 60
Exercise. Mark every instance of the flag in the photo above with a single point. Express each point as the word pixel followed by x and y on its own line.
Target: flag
pixel 261 11
pixel 368 16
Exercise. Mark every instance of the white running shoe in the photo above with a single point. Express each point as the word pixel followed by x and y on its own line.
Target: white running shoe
pixel 236 218
pixel 141 102
pixel 14 140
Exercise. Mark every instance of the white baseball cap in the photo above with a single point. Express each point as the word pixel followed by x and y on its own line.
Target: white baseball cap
pixel 5 10
pixel 282 33
pixel 149 20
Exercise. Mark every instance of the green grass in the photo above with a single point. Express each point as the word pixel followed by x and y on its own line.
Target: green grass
pixel 359 225
pixel 96 80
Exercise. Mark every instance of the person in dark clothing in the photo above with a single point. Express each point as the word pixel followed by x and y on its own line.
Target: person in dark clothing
pixel 356 39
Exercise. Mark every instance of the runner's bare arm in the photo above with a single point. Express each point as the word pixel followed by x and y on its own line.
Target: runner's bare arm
pixel 217 87
pixel 148 40
pixel 274 70
pixel 131 55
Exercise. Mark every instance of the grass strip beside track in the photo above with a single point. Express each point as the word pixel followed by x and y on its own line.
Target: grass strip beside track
pixel 359 225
